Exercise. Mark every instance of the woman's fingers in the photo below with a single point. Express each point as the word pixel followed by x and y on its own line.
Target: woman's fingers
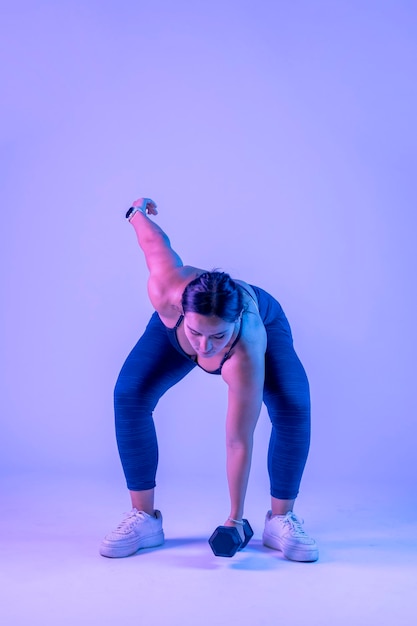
pixel 146 205
pixel 151 208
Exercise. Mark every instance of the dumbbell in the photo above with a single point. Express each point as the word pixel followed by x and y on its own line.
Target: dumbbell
pixel 226 541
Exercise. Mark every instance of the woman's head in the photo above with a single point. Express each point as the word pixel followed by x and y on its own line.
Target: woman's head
pixel 213 294
pixel 212 305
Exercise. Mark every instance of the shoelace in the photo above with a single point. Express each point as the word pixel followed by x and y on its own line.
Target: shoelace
pixel 130 520
pixel 295 525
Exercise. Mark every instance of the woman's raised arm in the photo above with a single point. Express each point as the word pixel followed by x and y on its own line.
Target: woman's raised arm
pixel 160 258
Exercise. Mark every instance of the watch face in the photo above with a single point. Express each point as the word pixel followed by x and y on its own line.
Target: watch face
pixel 130 211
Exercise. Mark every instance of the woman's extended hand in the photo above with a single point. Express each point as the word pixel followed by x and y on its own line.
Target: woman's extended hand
pixel 146 205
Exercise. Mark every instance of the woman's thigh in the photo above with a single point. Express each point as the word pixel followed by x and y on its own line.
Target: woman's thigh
pixel 152 367
pixel 286 389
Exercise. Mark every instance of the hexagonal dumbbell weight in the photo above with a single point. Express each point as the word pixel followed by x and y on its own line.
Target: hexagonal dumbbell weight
pixel 226 541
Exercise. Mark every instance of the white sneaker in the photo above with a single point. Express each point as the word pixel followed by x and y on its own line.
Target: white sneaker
pixel 137 530
pixel 285 533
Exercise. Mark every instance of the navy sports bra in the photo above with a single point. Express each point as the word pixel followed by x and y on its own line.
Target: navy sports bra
pixel 172 334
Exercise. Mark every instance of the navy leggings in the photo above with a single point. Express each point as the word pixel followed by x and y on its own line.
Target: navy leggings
pixel 155 365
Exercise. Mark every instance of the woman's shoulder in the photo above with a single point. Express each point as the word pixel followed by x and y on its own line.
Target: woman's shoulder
pixel 253 329
pixel 248 355
pixel 165 293
pixel 248 289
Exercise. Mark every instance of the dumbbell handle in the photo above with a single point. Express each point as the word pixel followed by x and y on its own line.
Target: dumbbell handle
pixel 247 529
pixel 234 543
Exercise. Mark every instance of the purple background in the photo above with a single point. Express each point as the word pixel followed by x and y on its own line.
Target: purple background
pixel 279 141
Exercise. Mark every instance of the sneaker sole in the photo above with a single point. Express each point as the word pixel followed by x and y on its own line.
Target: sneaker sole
pixel 114 551
pixel 306 555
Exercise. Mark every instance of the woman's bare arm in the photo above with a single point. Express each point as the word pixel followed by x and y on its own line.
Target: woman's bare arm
pixel 167 274
pixel 160 258
pixel 244 376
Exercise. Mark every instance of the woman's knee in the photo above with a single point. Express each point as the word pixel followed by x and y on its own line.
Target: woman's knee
pixel 129 391
pixel 290 399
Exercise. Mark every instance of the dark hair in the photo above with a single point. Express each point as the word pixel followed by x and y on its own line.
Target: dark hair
pixel 213 293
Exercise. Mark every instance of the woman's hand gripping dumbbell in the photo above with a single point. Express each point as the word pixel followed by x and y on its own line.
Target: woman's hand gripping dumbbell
pixel 226 540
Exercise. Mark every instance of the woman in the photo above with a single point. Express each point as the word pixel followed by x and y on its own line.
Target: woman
pixel 240 332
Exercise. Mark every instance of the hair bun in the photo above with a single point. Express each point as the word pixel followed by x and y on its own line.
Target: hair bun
pixel 213 294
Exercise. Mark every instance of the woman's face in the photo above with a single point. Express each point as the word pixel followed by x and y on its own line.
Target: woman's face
pixel 208 335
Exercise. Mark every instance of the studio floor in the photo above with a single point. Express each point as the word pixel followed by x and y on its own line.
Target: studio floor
pixel 52 573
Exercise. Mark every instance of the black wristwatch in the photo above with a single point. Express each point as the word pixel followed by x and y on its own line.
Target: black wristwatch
pixel 131 212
